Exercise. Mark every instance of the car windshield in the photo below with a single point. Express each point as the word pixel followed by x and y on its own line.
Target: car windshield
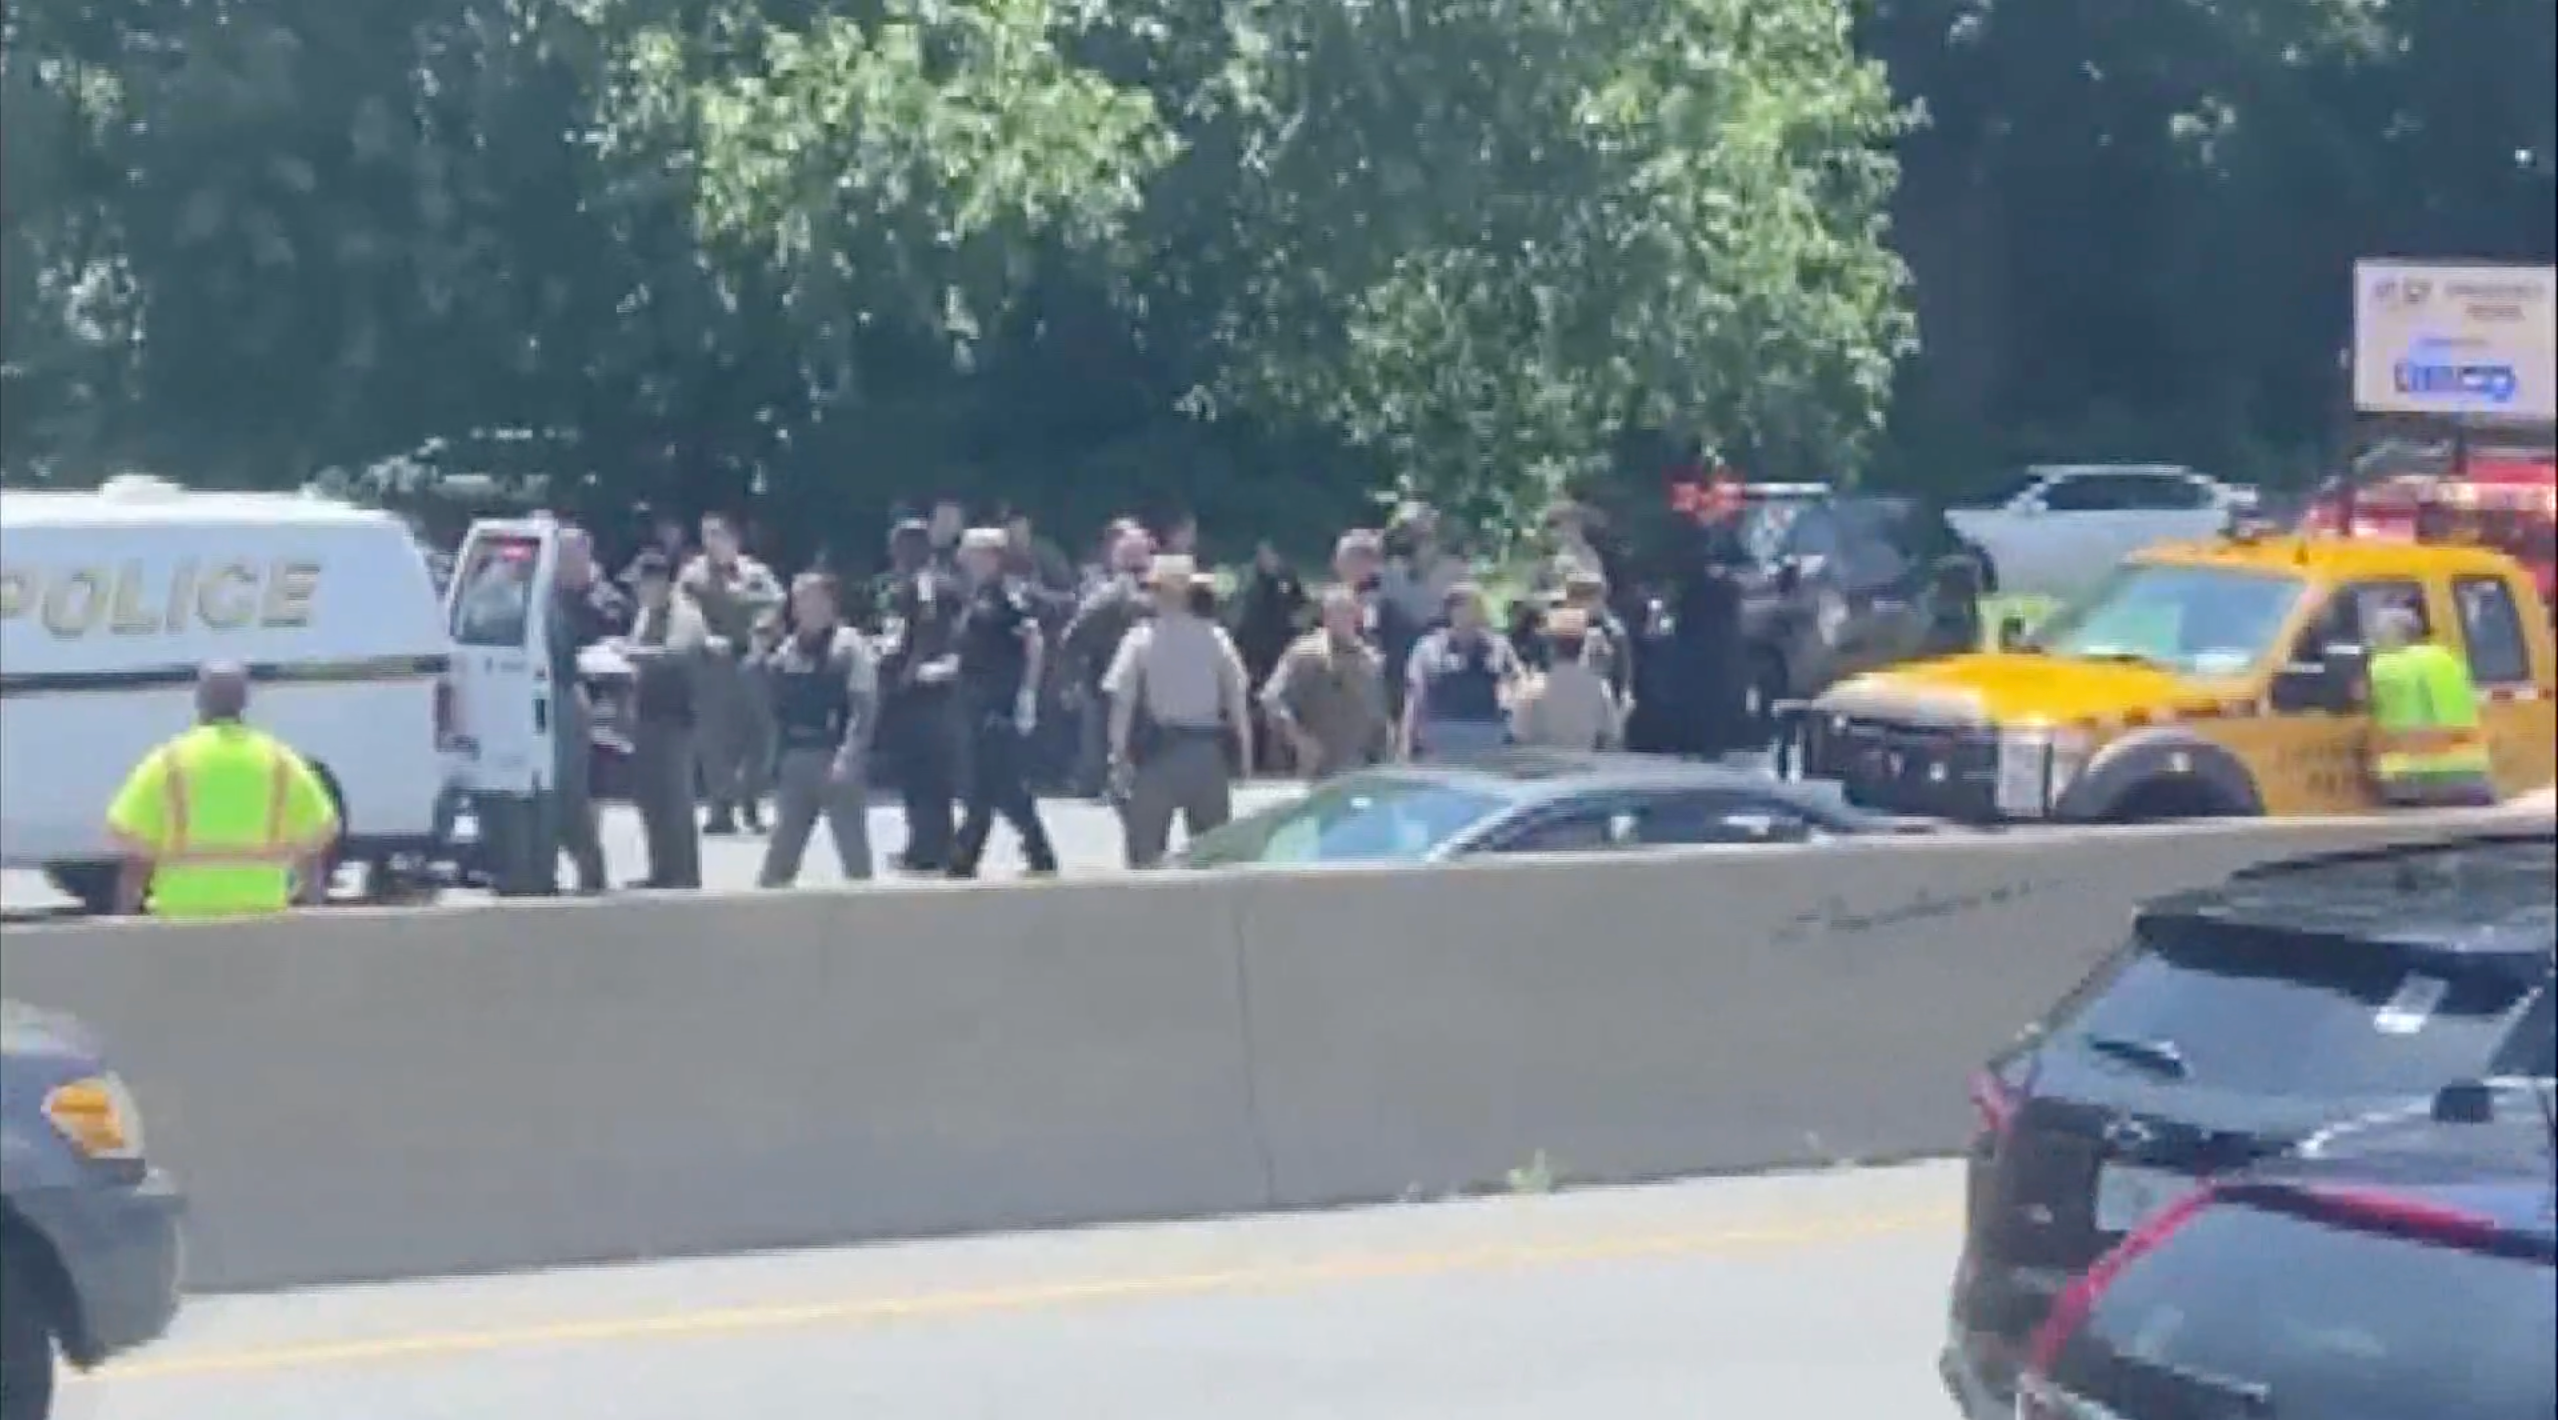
pixel 2285 1013
pixel 1365 818
pixel 2335 1323
pixel 2007 490
pixel 2194 620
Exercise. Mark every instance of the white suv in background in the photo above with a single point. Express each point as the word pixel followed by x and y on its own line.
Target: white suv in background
pixel 2056 529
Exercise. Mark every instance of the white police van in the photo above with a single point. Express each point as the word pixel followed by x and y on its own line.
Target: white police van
pixel 506 699
pixel 110 601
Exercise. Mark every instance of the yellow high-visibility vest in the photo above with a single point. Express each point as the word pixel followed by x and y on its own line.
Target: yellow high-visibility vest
pixel 2424 714
pixel 222 812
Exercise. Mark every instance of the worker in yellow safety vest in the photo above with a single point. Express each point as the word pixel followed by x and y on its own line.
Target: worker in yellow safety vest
pixel 224 820
pixel 2427 746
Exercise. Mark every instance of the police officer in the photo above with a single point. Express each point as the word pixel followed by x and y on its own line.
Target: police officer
pixel 732 589
pixel 1091 643
pixel 1710 677
pixel 2427 747
pixel 1569 704
pixel 1000 655
pixel 825 693
pixel 1459 683
pixel 1608 642
pixel 1327 696
pixel 222 821
pixel 584 610
pixel 666 645
pixel 920 611
pixel 1178 674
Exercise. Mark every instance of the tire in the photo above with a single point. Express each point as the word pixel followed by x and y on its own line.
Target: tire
pixel 91 884
pixel 26 1340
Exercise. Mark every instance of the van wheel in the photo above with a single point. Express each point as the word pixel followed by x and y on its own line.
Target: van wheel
pixel 26 1340
pixel 91 884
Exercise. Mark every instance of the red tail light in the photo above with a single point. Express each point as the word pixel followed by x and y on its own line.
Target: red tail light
pixel 2408 1215
pixel 448 712
pixel 1995 1102
pixel 2078 1300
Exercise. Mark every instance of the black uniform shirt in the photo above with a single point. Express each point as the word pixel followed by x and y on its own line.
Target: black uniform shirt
pixel 994 652
pixel 920 615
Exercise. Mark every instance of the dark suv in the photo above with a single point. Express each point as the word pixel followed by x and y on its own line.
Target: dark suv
pixel 2406 1278
pixel 89 1247
pixel 2239 1021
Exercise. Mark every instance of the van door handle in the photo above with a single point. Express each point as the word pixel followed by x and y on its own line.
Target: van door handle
pixel 541 714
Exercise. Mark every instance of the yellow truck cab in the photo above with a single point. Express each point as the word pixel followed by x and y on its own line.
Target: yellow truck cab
pixel 2220 678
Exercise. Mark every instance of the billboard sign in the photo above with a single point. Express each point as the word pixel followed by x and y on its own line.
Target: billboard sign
pixel 2438 338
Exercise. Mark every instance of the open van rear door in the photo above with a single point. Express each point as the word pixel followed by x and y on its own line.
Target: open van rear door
pixel 496 607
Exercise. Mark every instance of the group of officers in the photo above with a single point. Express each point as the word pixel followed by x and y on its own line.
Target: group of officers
pixel 941 681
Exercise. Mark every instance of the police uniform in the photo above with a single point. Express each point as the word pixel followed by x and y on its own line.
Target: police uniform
pixel 997 698
pixel 222 813
pixel 666 649
pixel 1335 695
pixel 1090 644
pixel 1568 705
pixel 1181 686
pixel 581 616
pixel 731 598
pixel 824 686
pixel 920 612
pixel 1455 694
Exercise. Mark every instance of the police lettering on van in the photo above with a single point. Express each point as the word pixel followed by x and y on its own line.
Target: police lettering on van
pixel 132 599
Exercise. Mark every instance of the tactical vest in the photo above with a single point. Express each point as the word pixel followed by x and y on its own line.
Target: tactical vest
pixel 812 699
pixel 1461 684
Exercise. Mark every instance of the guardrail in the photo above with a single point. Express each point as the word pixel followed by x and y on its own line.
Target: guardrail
pixel 365 1094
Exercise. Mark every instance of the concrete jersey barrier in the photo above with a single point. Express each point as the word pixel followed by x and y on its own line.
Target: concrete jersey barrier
pixel 356 1095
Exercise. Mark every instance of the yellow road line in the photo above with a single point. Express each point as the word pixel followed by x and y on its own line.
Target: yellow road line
pixel 872 1311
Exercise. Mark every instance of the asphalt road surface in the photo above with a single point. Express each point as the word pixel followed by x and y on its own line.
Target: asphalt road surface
pixel 1807 1295
pixel 1086 835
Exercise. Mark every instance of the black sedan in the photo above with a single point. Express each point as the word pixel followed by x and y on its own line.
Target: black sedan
pixel 1528 801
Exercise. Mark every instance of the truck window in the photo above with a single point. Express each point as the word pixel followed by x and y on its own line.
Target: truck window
pixel 492 603
pixel 2349 614
pixel 2491 631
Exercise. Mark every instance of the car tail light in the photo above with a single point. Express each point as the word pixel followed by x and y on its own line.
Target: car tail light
pixel 448 713
pixel 1995 1102
pixel 2408 1215
pixel 2070 1311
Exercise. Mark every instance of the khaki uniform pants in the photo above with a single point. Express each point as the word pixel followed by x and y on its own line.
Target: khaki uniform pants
pixel 725 740
pixel 805 790
pixel 1186 775
pixel 662 790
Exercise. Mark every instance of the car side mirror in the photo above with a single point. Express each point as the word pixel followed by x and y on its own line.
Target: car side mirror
pixel 2011 633
pixel 2344 667
pixel 2332 683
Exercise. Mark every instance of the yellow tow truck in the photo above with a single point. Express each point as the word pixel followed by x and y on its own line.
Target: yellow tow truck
pixel 2209 679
